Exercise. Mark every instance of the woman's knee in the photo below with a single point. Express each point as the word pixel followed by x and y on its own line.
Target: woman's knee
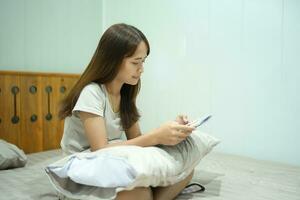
pixel 191 174
pixel 138 193
pixel 187 180
pixel 146 193
pixel 189 177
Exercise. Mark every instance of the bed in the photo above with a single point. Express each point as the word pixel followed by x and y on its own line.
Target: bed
pixel 224 176
pixel 230 177
pixel 29 182
pixel 31 97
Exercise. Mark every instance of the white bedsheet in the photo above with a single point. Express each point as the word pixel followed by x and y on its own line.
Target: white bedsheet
pixel 226 177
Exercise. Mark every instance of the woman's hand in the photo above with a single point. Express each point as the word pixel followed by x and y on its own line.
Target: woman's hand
pixel 182 119
pixel 172 133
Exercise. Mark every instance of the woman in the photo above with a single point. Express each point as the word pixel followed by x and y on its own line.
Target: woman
pixel 102 105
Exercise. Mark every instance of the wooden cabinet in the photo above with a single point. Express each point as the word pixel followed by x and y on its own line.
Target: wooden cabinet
pixel 29 108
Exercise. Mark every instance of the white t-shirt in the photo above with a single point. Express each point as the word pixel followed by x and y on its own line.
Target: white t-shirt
pixel 93 99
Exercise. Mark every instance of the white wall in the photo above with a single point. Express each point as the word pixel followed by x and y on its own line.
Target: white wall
pixel 52 36
pixel 235 59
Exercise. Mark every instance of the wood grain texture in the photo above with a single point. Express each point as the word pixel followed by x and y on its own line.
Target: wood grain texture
pixel 29 134
pixel 9 130
pixel 31 131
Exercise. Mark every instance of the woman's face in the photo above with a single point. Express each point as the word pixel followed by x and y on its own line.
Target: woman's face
pixel 132 67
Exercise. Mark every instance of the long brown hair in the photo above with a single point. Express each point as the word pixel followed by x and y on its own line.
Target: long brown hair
pixel 118 42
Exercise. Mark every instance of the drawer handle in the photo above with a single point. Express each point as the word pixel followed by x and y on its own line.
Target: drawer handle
pixel 32 89
pixel 15 119
pixel 15 89
pixel 49 115
pixel 33 118
pixel 63 89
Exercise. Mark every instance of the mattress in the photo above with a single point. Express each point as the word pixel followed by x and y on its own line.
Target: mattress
pixel 225 177
pixel 229 177
pixel 31 181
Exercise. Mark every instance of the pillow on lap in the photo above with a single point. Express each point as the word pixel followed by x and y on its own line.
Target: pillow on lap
pixel 103 173
pixel 11 156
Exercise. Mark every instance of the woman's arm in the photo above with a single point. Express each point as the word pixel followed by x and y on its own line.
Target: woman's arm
pixel 94 126
pixel 134 131
pixel 170 133
pixel 95 130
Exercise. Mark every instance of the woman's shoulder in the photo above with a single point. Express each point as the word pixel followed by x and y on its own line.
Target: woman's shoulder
pixel 94 88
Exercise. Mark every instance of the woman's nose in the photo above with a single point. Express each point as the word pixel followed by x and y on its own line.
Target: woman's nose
pixel 141 70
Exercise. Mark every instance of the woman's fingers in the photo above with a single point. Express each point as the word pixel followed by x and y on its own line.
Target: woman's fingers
pixel 181 135
pixel 179 119
pixel 183 132
pixel 184 128
pixel 182 119
pixel 185 119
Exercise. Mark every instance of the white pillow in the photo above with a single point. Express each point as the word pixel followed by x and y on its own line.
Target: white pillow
pixel 103 173
pixel 11 156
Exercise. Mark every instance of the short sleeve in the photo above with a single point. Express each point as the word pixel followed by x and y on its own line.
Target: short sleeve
pixel 91 99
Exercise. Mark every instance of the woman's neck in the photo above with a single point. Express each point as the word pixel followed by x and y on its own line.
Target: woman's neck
pixel 114 87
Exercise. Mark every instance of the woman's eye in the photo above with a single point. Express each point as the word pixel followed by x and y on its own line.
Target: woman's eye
pixel 138 63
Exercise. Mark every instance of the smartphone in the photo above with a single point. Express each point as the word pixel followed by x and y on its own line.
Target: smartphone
pixel 199 122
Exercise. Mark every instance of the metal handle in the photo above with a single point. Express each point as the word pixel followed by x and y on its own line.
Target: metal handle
pixel 33 118
pixel 48 90
pixel 15 119
pixel 32 89
pixel 63 89
pixel 48 116
pixel 15 90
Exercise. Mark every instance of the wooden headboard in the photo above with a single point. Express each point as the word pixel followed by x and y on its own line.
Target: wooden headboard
pixel 29 108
